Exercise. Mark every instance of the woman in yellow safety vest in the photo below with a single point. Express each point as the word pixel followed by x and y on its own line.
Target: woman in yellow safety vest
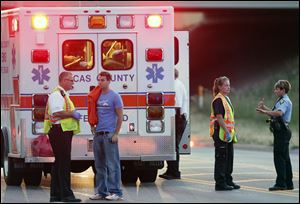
pixel 223 133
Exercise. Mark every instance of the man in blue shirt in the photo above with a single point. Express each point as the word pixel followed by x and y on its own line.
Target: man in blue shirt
pixel 105 145
pixel 279 124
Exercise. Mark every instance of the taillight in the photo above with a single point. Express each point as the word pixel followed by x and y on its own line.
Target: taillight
pixel 38 114
pixel 155 126
pixel 155 112
pixel 39 22
pixel 40 56
pixel 39 103
pixel 155 99
pixel 37 128
pixel 97 21
pixel 154 54
pixel 69 22
pixel 154 21
pixel 40 100
pixel 124 21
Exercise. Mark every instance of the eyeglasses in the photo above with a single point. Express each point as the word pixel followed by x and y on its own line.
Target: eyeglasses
pixel 102 79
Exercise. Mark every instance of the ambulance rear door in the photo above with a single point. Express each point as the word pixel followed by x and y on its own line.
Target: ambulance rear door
pixel 182 65
pixel 78 54
pixel 119 58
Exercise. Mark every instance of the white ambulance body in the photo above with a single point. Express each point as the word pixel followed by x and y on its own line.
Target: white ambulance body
pixel 134 44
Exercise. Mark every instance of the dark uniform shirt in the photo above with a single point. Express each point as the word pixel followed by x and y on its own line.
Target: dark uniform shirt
pixel 218 109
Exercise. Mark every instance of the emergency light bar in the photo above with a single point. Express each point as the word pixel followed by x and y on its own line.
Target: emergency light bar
pixel 68 22
pixel 97 21
pixel 124 21
pixel 39 22
pixel 154 21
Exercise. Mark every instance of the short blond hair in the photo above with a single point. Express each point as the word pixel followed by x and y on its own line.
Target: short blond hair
pixel 283 84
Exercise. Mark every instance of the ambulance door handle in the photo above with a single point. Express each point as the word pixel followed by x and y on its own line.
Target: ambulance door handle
pixel 125 86
pixel 149 86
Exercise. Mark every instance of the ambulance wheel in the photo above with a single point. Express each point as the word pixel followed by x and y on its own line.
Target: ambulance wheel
pixel 11 176
pixel 147 175
pixel 33 178
pixel 128 175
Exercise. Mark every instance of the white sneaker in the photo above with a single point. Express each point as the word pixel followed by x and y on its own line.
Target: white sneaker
pixel 113 197
pixel 97 197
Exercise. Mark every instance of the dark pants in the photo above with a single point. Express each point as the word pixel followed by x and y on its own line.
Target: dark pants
pixel 61 143
pixel 282 158
pixel 223 161
pixel 173 166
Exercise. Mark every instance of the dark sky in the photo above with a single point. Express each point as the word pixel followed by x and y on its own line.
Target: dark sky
pixel 241 44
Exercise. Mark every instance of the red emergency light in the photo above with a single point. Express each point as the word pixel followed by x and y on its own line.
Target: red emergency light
pixel 40 56
pixel 154 54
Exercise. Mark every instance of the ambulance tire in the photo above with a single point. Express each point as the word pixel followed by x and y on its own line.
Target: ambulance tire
pixel 147 175
pixel 33 178
pixel 11 176
pixel 128 175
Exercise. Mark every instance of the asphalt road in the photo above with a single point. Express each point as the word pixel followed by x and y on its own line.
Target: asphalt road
pixel 253 170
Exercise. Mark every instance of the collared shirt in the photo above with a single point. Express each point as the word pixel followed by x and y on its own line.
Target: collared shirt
pixel 181 99
pixel 285 106
pixel 56 102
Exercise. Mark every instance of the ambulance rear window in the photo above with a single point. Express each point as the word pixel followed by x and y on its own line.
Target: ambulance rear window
pixel 117 54
pixel 78 55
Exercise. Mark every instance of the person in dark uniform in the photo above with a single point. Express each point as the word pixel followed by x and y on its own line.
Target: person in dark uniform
pixel 279 124
pixel 223 133
pixel 181 102
pixel 61 123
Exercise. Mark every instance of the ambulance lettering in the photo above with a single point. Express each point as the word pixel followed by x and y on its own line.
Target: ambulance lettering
pixel 82 78
pixel 122 77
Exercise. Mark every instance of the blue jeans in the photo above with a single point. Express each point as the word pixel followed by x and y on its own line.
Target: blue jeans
pixel 107 164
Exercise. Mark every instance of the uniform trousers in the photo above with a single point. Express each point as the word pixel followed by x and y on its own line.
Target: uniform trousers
pixel 173 166
pixel 282 158
pixel 61 143
pixel 223 161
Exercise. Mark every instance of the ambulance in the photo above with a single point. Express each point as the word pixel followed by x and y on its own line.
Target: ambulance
pixel 137 45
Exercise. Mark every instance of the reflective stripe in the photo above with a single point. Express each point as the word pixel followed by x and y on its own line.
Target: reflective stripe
pixel 228 119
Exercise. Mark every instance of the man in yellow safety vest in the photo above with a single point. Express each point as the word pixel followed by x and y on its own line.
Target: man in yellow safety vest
pixel 61 123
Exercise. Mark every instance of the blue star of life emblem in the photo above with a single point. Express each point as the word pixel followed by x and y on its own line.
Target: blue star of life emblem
pixel 154 73
pixel 40 74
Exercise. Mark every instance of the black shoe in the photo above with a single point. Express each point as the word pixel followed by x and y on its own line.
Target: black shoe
pixel 169 176
pixel 71 200
pixel 223 188
pixel 235 186
pixel 277 188
pixel 290 188
pixel 54 199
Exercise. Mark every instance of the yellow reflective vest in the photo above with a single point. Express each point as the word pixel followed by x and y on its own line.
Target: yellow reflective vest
pixel 67 124
pixel 228 119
